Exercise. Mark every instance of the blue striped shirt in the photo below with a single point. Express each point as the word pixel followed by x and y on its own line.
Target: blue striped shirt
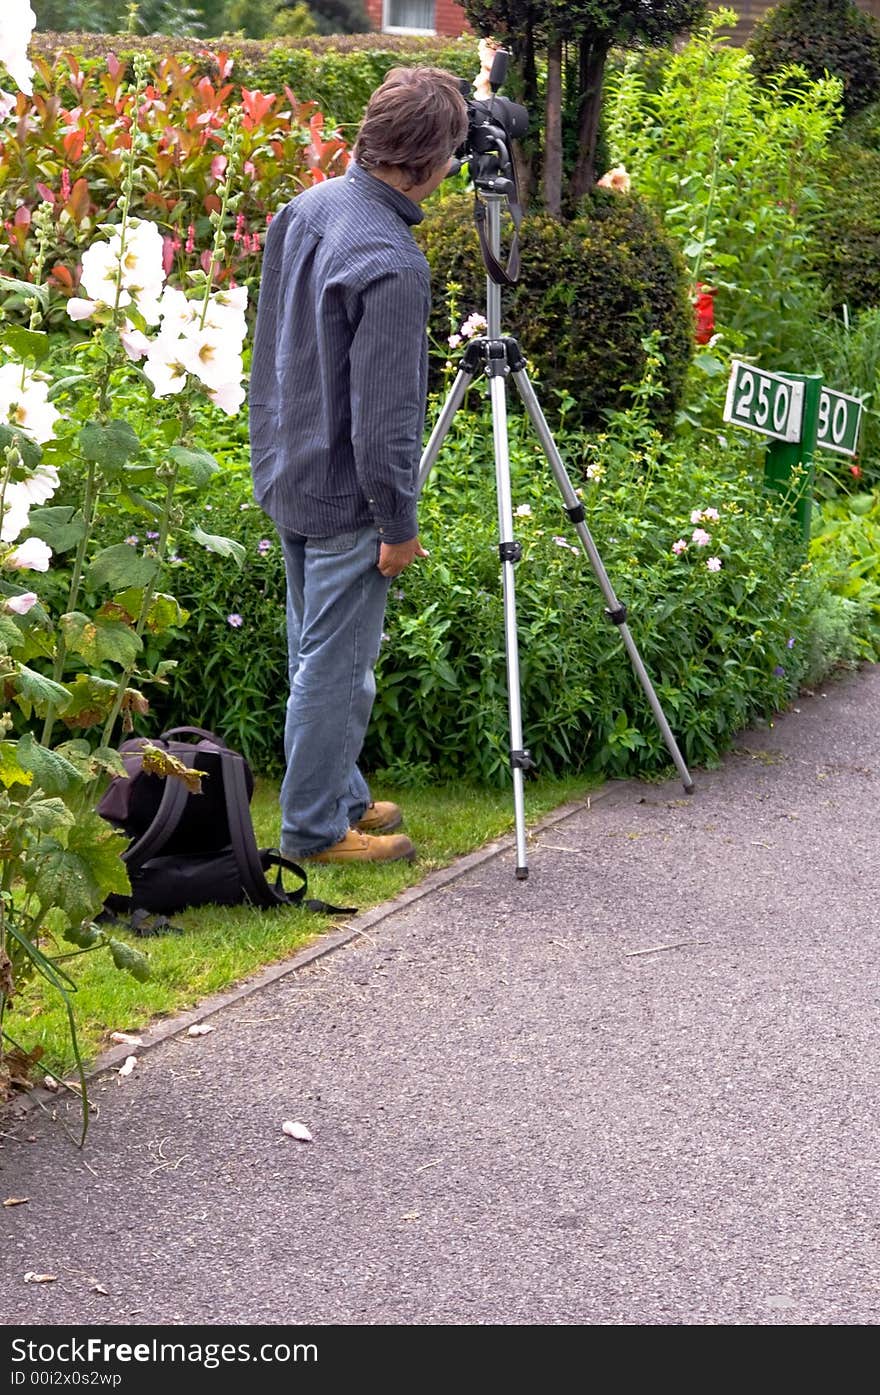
pixel 340 362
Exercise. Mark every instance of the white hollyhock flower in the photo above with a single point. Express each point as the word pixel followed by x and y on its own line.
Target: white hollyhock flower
pixel 17 21
pixel 134 342
pixel 165 367
pixel 20 605
pixel 40 484
pixel 225 311
pixel 211 354
pixel 33 555
pixel 228 397
pixel 101 274
pixel 116 275
pixel 16 511
pixel 24 402
pixel 78 308
pixel 176 311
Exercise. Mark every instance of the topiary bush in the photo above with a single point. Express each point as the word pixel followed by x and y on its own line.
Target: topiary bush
pixel 848 235
pixel 833 36
pixel 589 293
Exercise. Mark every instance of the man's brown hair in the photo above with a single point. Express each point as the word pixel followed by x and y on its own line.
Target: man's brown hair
pixel 413 122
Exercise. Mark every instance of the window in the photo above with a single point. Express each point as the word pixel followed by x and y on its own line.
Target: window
pixel 414 16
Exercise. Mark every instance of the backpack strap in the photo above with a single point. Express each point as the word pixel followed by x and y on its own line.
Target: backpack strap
pixel 241 833
pixel 165 820
pixel 273 858
pixel 247 854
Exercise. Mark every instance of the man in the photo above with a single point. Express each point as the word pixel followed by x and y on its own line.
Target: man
pixel 337 405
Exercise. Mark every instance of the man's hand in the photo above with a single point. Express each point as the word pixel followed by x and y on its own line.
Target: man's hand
pixel 394 557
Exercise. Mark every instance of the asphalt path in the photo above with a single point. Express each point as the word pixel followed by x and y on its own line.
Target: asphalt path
pixel 638 1089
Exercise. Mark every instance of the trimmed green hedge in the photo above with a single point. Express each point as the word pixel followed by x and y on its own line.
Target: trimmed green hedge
pixel 849 235
pixel 590 292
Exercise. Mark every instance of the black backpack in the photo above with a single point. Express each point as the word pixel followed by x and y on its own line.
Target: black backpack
pixel 193 848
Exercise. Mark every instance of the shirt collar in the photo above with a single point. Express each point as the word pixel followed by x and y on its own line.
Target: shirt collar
pixel 377 189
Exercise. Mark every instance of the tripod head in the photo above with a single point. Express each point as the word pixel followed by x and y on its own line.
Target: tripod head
pixel 493 122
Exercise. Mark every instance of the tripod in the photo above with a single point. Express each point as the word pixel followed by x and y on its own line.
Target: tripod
pixel 501 356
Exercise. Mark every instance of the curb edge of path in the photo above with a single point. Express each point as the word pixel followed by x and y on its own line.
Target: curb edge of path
pixel 326 944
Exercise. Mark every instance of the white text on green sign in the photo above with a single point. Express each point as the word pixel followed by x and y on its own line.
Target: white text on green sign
pixel 840 417
pixel 765 402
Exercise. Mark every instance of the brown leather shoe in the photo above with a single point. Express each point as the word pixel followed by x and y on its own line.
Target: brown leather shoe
pixel 362 847
pixel 380 817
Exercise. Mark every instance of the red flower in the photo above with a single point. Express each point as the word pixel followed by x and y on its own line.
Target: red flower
pixel 856 471
pixel 704 313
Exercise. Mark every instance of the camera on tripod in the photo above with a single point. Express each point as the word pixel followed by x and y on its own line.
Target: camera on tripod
pixel 493 122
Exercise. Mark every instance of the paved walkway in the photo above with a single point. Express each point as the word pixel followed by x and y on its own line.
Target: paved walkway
pixel 640 1088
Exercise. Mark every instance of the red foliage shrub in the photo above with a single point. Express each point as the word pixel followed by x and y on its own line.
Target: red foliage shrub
pixel 67 145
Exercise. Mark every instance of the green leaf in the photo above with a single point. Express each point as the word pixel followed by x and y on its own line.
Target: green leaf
pixel 35 688
pixel 709 364
pixel 26 343
pixel 101 847
pixel 62 527
pixel 127 957
pixel 47 815
pixel 226 547
pixel 11 636
pixel 26 288
pixel 90 700
pixel 106 758
pixel 26 445
pixel 52 772
pixel 100 639
pixel 109 444
pixel 11 772
pixel 63 879
pixel 121 566
pixel 164 610
pixel 199 464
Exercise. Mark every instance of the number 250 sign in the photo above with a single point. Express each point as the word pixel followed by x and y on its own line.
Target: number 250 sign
pixel 765 402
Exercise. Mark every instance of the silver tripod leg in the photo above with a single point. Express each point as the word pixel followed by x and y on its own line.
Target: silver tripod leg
pixel 616 611
pixel 508 551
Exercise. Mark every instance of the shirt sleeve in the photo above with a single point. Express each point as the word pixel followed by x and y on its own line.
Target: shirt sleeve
pixel 387 363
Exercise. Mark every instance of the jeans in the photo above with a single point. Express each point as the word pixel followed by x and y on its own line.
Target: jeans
pixel 335 611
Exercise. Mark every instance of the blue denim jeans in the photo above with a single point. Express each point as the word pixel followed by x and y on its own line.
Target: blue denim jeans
pixel 335 611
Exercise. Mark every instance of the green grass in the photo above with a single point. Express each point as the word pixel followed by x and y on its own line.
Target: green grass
pixel 222 946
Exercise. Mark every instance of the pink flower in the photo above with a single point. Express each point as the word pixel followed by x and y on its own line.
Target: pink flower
pixel 701 537
pixel 714 564
pixel 680 546
pixel 20 605
pixel 616 179
pixel 236 621
pixel 711 515
pixel 30 556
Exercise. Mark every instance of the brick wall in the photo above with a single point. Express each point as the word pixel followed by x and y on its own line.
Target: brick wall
pixel 449 18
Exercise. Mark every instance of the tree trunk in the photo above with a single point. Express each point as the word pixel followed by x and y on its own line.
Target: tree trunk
pixel 553 131
pixel 526 156
pixel 592 59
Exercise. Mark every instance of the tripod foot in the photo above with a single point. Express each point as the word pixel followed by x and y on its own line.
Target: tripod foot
pixel 522 874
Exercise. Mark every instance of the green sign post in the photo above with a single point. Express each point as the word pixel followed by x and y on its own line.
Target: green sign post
pixel 798 413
